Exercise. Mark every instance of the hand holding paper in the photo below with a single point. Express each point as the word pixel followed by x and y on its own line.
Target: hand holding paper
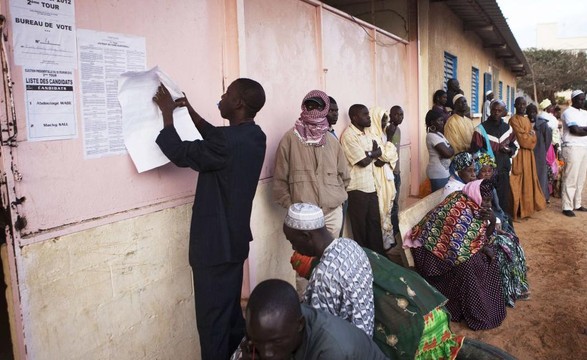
pixel 142 120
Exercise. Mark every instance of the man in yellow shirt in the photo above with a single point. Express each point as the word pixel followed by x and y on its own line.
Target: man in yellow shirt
pixel 459 129
pixel 362 151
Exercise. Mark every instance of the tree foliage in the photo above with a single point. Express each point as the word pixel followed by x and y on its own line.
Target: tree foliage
pixel 554 70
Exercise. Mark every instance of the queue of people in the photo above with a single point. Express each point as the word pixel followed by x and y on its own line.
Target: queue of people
pixel 358 304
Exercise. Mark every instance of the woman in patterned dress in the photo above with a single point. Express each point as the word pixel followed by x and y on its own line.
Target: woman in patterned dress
pixel 453 251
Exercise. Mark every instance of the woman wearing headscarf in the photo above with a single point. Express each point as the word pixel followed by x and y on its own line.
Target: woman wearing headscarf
pixel 452 250
pixel 462 171
pixel 439 151
pixel 485 166
pixel 383 172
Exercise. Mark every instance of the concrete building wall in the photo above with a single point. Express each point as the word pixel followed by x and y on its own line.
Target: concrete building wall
pixel 101 270
pixel 440 31
pixel 446 34
pixel 124 290
pixel 118 291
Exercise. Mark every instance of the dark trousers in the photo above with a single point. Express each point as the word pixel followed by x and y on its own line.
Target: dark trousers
pixel 363 213
pixel 504 192
pixel 219 317
pixel 395 209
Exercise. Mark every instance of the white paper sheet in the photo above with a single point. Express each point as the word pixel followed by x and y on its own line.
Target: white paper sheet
pixel 103 57
pixel 50 105
pixel 142 120
pixel 44 33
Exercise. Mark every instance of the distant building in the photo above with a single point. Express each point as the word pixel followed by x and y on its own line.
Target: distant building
pixel 547 38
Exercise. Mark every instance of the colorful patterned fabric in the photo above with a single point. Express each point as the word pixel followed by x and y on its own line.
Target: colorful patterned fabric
pixel 473 288
pixel 342 284
pixel 512 267
pixel 438 342
pixel 460 162
pixel 313 125
pixel 403 300
pixel 452 230
pixel 483 159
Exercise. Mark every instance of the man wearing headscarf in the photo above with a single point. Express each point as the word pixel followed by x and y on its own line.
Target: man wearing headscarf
pixel 496 138
pixel 459 129
pixel 486 105
pixel 453 87
pixel 310 165
pixel 574 151
pixel 547 113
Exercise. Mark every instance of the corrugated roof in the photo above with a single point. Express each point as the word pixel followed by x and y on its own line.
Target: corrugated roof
pixel 484 18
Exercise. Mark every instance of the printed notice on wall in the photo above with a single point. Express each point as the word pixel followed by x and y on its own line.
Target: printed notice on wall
pixel 44 32
pixel 49 104
pixel 103 57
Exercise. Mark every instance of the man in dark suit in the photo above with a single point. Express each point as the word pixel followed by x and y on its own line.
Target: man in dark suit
pixel 229 161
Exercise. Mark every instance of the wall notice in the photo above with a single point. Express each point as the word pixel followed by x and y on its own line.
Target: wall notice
pixel 49 104
pixel 103 57
pixel 44 32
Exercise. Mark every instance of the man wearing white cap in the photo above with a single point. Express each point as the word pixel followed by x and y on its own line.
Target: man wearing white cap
pixel 546 113
pixel 342 282
pixel 487 105
pixel 574 152
pixel 459 129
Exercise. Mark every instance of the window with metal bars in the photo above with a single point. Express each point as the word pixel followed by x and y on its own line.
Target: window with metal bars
pixel 450 68
pixel 475 90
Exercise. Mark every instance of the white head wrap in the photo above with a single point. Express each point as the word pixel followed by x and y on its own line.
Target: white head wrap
pixel 456 97
pixel 576 92
pixel 302 216
pixel 544 104
pixel 488 92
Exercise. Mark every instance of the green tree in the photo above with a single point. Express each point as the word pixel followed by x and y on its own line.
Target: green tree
pixel 554 70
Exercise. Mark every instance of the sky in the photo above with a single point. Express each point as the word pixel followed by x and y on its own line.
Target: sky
pixel 523 15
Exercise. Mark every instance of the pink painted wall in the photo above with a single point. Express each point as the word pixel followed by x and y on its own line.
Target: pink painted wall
pixel 291 49
pixel 298 46
pixel 185 39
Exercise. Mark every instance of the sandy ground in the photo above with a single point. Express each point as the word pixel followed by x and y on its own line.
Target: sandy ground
pixel 553 323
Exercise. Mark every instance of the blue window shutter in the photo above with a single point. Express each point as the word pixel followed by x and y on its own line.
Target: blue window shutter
pixel 487 79
pixel 500 90
pixel 450 68
pixel 475 90
pixel 513 100
pixel 507 99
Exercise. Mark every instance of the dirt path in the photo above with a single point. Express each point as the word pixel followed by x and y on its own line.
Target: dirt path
pixel 553 323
